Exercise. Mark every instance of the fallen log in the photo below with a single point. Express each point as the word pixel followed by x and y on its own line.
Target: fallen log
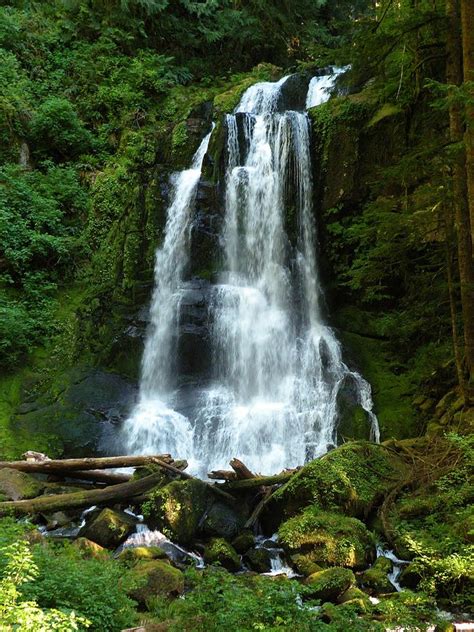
pixel 222 475
pixel 70 465
pixel 82 499
pixel 241 469
pixel 96 476
pixel 259 481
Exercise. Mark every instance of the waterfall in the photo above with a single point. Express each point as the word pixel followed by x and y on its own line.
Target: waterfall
pixel 154 424
pixel 320 87
pixel 277 368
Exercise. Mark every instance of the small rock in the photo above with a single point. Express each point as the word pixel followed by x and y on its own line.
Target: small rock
pixel 243 542
pixel 136 553
pixel 330 584
pixel 218 551
pixel 375 579
pixel 89 548
pixel 259 560
pixel 110 528
pixel 156 577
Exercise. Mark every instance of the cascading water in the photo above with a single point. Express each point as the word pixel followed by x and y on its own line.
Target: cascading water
pixel 277 368
pixel 154 424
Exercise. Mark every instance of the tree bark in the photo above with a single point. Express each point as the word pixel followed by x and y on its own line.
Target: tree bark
pixel 82 499
pixel 71 465
pixel 241 469
pixel 467 22
pixel 454 77
pixel 259 481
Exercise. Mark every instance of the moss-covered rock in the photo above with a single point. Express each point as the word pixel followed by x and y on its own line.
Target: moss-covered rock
pixel 177 509
pixel 352 478
pixel 131 555
pixel 218 551
pixel 330 584
pixel 243 542
pixel 109 528
pixel 352 594
pixel 327 538
pixel 15 485
pixel 258 560
pixel 304 565
pixel 375 579
pixel 155 578
pixel 224 521
pixel 89 548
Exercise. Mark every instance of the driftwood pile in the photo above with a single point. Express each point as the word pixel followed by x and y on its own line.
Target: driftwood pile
pixel 106 487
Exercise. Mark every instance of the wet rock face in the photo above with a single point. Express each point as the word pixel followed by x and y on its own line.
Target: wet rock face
pixel 293 93
pixel 84 413
pixel 193 357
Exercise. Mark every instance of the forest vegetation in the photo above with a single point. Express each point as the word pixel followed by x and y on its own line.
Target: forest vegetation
pixel 101 101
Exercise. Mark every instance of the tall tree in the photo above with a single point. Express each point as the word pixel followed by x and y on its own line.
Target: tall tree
pixel 454 77
pixel 467 21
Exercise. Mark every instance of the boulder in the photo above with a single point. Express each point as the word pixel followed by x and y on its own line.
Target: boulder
pixel 89 548
pixel 177 509
pixel 218 551
pixel 304 565
pixel 375 579
pixel 330 584
pixel 352 478
pixel 353 594
pixel 134 554
pixel 15 485
pixel 258 560
pixel 156 577
pixel 223 521
pixel 243 542
pixel 109 528
pixel 329 539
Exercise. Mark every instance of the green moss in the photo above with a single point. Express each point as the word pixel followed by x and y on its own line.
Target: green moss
pixel 388 109
pixel 353 477
pixel 177 509
pixel 330 584
pixel 132 555
pixel 328 538
pixel 375 579
pixel 155 577
pixel 218 551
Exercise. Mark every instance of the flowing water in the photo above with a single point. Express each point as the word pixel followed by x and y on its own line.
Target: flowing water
pixel 277 367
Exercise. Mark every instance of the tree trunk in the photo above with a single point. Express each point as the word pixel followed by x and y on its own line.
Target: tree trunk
pixel 241 469
pixel 259 481
pixel 460 196
pixel 70 465
pixel 467 21
pixel 82 499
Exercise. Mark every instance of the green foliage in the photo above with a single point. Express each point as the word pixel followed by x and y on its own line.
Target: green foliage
pixel 16 613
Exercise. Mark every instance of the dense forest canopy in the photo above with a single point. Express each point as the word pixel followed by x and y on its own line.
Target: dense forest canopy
pixel 102 102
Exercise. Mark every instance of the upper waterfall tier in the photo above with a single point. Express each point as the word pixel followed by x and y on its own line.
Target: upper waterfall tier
pixel 275 368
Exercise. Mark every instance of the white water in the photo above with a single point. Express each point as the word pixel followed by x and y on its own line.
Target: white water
pixel 155 425
pixel 277 368
pixel 320 87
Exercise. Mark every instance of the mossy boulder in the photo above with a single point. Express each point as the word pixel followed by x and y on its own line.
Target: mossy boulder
pixel 89 548
pixel 218 551
pixel 353 478
pixel 15 485
pixel 375 579
pixel 328 538
pixel 224 521
pixel 156 578
pixel 177 509
pixel 109 528
pixel 131 555
pixel 243 542
pixel 353 594
pixel 330 584
pixel 304 565
pixel 258 560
